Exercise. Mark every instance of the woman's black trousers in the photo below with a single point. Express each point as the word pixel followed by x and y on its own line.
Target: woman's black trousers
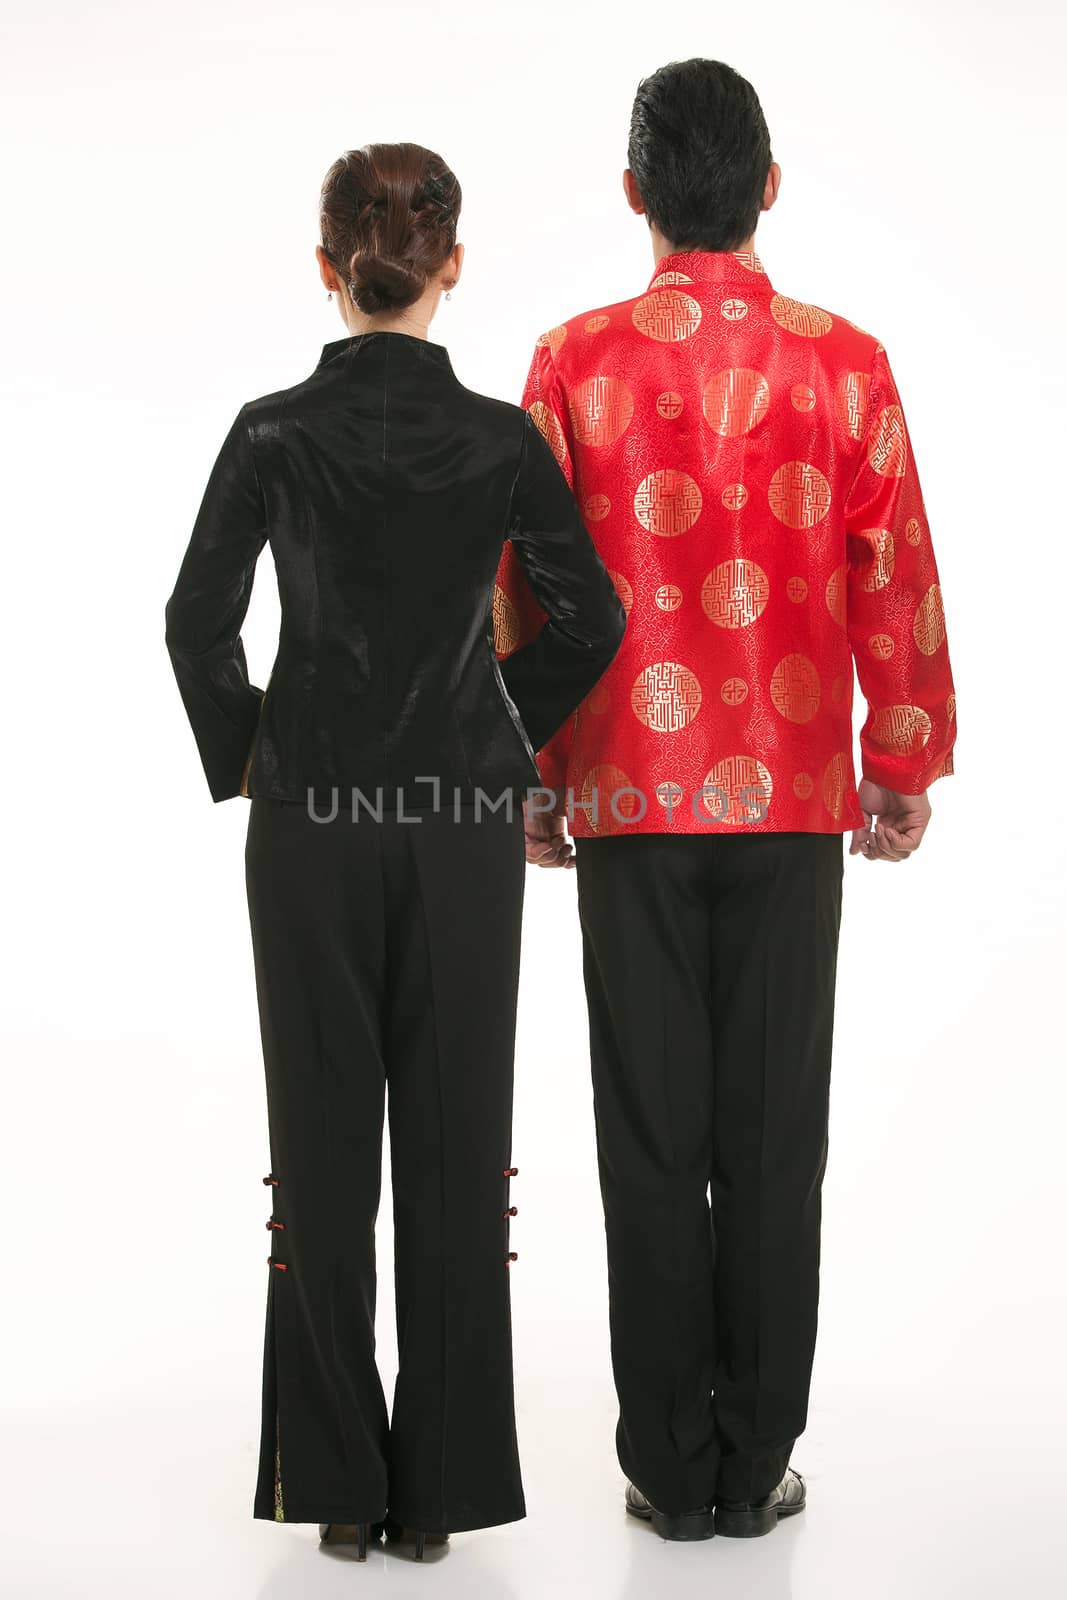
pixel 386 957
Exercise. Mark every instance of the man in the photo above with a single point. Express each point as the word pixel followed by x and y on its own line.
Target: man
pixel 744 467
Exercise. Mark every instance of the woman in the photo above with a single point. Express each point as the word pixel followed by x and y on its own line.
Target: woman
pixel 385 895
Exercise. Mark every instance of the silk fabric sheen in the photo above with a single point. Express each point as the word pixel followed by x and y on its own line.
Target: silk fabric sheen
pixel 386 490
pixel 744 467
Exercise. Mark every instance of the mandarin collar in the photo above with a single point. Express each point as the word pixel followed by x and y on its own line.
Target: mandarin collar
pixel 407 347
pixel 710 266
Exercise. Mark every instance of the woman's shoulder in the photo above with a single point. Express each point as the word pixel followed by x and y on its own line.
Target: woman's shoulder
pixel 491 409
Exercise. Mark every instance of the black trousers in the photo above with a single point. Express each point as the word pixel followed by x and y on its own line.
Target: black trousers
pixel 386 958
pixel 710 963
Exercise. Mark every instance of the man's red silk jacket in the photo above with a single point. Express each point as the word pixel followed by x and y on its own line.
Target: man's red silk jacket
pixel 743 465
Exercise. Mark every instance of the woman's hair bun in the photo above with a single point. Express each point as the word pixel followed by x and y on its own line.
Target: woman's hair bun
pixel 382 283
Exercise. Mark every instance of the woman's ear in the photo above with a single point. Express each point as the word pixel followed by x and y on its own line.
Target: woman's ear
pixel 326 271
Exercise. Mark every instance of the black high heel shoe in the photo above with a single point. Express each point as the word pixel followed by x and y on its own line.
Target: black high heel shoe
pixel 357 1533
pixel 395 1532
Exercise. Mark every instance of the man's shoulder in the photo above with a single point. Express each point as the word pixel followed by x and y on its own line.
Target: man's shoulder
pixel 830 331
pixel 588 333
pixel 581 344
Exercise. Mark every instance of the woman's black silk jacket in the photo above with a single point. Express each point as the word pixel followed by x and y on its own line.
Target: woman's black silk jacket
pixel 386 490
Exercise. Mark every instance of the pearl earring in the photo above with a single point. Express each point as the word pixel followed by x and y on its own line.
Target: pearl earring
pixel 448 294
pixel 330 295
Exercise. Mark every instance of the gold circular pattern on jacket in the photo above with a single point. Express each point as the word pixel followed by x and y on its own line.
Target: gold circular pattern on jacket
pixel 597 700
pixel 878 575
pixel 835 783
pixel 597 507
pixel 950 707
pixel 797 317
pixel 928 628
pixel 799 495
pixel 734 496
pixel 836 594
pixel 669 276
pixel 607 780
pixel 669 404
pixel 735 400
pixel 913 530
pixel 670 793
pixel 552 429
pixel 795 689
pixel 734 593
pixel 667 315
pixel 802 396
pixel 734 692
pixel 734 309
pixel 796 589
pixel 668 502
pixel 601 409
pixel 666 697
pixel 623 590
pixel 596 324
pixel 668 597
pixel 742 783
pixel 505 622
pixel 554 337
pixel 749 260
pixel 881 646
pixel 887 448
pixel 803 786
pixel 902 729
pixel 850 402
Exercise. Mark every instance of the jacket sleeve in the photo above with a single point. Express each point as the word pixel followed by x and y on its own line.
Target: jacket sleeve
pixel 549 674
pixel 894 612
pixel 207 607
pixel 519 616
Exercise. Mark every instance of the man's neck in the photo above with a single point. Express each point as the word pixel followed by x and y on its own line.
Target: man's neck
pixel 663 247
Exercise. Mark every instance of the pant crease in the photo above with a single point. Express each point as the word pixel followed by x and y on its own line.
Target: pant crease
pixel 443 1212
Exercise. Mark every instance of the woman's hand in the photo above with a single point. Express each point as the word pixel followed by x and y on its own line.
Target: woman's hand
pixel 547 844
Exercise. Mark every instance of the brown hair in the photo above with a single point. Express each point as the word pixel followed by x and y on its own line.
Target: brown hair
pixel 387 215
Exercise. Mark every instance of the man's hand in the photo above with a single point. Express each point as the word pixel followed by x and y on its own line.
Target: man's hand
pixel 547 844
pixel 902 820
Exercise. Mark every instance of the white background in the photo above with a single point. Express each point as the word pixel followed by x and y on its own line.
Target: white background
pixel 162 164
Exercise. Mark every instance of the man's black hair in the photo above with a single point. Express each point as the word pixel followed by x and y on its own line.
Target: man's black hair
pixel 700 151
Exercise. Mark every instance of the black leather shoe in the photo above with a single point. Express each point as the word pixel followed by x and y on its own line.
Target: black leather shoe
pixel 698 1524
pixel 748 1519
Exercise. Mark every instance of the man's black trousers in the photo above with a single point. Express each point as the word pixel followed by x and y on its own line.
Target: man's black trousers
pixel 710 963
pixel 386 958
